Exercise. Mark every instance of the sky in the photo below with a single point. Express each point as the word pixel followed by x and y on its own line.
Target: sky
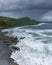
pixel 36 9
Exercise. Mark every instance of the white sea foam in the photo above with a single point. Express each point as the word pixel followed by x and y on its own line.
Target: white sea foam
pixel 35 48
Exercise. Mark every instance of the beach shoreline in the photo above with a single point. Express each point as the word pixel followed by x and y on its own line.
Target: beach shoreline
pixel 5 52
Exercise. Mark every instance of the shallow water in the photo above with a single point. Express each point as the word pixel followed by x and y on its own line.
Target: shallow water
pixel 36 47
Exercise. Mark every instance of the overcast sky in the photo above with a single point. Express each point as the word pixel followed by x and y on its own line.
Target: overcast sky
pixel 35 9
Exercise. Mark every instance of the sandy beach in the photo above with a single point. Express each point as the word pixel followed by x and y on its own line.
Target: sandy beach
pixel 5 53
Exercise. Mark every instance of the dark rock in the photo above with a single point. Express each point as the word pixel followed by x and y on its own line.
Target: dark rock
pixel 3 33
pixel 15 48
pixel 9 40
pixel 22 37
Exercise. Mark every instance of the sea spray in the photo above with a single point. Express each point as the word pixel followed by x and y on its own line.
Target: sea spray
pixel 35 48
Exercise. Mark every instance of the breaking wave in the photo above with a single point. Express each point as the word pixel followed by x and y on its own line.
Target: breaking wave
pixel 36 47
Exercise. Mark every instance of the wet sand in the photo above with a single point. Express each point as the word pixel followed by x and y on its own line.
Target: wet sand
pixel 5 55
pixel 5 52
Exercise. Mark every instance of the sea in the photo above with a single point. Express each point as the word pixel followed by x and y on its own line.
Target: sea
pixel 35 45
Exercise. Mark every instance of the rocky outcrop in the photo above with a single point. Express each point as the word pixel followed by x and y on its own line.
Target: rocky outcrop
pixel 5 51
pixel 8 39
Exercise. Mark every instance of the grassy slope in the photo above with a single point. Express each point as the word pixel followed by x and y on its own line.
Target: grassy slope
pixel 11 22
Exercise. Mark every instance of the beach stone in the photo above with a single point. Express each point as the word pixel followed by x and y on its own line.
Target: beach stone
pixel 22 37
pixel 15 48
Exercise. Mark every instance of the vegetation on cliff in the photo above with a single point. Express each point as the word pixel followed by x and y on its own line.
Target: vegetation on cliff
pixel 12 22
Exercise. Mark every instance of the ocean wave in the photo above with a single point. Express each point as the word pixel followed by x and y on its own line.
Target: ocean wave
pixel 35 48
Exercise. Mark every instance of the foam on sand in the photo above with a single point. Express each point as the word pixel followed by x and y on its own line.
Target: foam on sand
pixel 35 48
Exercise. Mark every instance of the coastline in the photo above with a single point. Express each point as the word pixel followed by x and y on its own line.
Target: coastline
pixel 5 52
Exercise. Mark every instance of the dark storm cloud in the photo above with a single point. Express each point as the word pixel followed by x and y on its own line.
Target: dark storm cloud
pixel 21 8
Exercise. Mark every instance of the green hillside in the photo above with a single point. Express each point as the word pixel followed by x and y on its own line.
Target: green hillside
pixel 11 22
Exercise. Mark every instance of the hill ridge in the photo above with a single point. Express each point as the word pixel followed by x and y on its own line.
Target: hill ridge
pixel 12 22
